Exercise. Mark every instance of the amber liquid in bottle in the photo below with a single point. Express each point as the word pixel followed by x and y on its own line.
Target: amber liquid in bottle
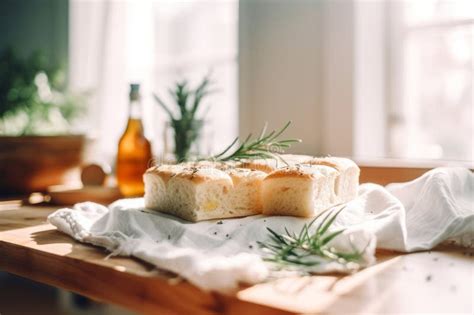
pixel 134 151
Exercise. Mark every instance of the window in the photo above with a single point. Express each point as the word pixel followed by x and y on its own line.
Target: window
pixel 431 79
pixel 193 38
pixel 369 79
pixel 114 43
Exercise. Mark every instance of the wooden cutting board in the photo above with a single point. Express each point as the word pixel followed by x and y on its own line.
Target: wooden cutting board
pixel 67 195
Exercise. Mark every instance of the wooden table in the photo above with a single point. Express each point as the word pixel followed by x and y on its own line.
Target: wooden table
pixel 436 281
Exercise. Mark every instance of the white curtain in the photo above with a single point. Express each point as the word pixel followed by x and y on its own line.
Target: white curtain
pixel 155 43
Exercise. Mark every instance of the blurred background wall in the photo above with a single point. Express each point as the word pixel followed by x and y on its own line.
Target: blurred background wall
pixel 371 79
pixel 280 68
pixel 36 25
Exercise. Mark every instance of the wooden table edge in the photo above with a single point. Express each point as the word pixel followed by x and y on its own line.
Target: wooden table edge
pixel 147 295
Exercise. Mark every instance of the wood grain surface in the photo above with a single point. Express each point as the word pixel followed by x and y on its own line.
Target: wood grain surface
pixel 386 171
pixel 387 175
pixel 436 281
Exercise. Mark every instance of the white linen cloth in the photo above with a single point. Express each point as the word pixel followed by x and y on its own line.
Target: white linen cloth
pixel 218 254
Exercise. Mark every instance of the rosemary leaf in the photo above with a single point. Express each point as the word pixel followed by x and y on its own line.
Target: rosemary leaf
pixel 330 222
pixel 330 237
pixel 265 146
pixel 163 105
pixel 307 248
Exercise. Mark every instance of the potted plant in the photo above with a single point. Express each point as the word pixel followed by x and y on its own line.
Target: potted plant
pixel 37 146
pixel 184 117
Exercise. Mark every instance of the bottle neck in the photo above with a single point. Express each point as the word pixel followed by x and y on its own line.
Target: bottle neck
pixel 135 109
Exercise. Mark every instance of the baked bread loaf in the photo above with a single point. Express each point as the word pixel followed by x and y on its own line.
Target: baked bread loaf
pixel 245 196
pixel 347 182
pixel 203 192
pixel 301 186
pixel 302 190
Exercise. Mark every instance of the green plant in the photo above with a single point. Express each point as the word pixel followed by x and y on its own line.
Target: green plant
pixel 185 124
pixel 307 248
pixel 33 96
pixel 263 147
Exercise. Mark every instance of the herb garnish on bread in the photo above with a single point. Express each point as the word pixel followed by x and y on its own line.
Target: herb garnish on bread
pixel 253 179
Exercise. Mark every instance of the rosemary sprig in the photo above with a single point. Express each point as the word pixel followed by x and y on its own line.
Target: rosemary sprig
pixel 306 248
pixel 266 145
pixel 183 114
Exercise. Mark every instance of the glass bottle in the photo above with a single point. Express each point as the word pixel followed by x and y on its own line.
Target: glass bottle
pixel 134 150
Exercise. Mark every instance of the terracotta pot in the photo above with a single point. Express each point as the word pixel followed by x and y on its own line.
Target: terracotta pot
pixel 32 163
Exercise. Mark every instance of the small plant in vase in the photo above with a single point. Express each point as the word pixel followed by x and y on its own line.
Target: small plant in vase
pixel 183 115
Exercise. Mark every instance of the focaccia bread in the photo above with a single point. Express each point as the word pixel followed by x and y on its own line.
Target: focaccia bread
pixel 245 196
pixel 203 192
pixel 300 186
pixel 302 190
pixel 347 182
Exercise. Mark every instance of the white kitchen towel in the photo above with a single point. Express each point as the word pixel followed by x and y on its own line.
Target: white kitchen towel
pixel 217 255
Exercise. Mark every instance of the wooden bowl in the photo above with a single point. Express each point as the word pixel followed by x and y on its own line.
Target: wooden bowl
pixel 32 163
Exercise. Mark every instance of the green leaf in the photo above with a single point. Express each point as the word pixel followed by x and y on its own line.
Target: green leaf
pixel 277 236
pixel 330 222
pixel 227 148
pixel 330 237
pixel 260 148
pixel 163 105
pixel 305 249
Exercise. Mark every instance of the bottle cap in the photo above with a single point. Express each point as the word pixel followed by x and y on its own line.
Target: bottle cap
pixel 134 91
pixel 134 87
